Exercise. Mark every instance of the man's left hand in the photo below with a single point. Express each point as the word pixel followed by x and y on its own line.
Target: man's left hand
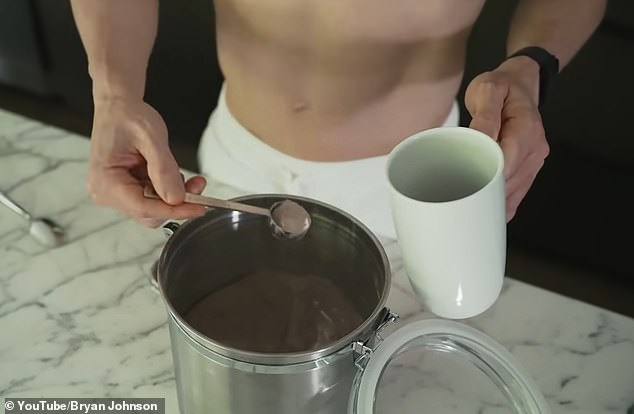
pixel 503 105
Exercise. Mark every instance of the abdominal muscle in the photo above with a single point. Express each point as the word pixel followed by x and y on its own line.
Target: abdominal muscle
pixel 333 81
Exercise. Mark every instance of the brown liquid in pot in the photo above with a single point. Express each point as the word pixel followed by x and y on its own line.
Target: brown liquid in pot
pixel 274 312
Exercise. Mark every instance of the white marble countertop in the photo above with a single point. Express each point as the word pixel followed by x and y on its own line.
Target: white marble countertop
pixel 81 321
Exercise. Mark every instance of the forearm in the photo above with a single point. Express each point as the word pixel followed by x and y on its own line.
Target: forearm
pixel 118 36
pixel 559 26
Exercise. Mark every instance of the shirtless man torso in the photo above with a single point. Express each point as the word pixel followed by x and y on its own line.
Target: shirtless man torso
pixel 330 81
pixel 322 81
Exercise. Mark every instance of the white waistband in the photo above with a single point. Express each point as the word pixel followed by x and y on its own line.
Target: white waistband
pixel 243 144
pixel 236 163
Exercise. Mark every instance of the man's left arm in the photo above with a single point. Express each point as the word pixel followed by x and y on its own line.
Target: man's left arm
pixel 504 102
pixel 559 26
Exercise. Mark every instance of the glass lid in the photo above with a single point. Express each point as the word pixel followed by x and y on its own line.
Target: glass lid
pixel 442 367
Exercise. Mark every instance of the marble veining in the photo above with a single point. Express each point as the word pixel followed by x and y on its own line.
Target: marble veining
pixel 81 320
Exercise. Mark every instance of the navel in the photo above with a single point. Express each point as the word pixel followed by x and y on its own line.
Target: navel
pixel 299 106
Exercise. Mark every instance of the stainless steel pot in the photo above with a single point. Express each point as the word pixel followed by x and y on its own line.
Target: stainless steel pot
pixel 345 376
pixel 209 252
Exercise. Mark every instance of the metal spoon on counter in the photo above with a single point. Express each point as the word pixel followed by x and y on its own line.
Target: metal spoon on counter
pixel 287 217
pixel 42 229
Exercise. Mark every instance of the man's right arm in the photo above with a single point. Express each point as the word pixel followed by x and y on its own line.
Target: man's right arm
pixel 118 36
pixel 129 141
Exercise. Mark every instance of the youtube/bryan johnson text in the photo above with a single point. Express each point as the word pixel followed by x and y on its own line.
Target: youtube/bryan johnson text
pixel 85 405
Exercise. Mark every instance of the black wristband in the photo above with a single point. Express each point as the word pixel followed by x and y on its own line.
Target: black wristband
pixel 548 68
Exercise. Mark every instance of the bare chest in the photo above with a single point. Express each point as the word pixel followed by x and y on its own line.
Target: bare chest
pixel 326 22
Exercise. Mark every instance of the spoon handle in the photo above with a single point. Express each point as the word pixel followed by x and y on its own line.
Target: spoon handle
pixel 213 202
pixel 15 207
pixel 231 205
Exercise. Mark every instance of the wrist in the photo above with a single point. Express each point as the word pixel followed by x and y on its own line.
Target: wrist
pixel 548 69
pixel 106 103
pixel 109 85
pixel 526 71
pixel 105 92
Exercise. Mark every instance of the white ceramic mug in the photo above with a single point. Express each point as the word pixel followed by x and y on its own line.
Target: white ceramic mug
pixel 448 204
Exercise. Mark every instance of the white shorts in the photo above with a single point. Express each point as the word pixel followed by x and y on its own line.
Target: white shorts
pixel 235 163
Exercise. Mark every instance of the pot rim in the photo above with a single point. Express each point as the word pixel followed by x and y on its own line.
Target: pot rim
pixel 362 332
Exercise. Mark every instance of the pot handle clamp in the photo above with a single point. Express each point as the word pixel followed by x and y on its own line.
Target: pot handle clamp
pixel 361 350
pixel 169 229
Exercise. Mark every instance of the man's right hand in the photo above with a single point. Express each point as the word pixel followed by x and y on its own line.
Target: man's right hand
pixel 129 148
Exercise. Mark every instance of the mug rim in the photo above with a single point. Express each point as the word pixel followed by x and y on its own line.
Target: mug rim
pixel 426 134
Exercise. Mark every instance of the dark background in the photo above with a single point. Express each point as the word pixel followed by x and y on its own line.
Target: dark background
pixel 573 232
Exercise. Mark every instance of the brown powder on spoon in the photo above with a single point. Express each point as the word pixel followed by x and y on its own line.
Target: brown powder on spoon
pixel 292 218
